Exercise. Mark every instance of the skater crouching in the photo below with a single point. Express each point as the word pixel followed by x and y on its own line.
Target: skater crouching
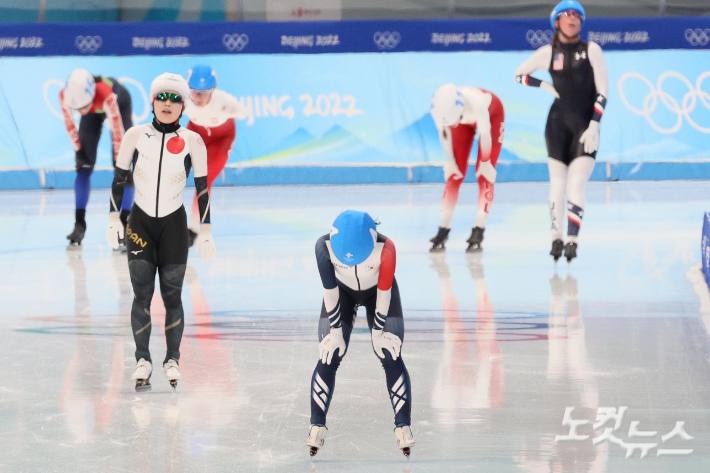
pixel 161 154
pixel 356 266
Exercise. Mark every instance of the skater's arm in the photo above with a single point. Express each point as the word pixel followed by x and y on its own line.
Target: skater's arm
pixel 601 81
pixel 388 262
pixel 115 123
pixel 69 123
pixel 198 156
pixel 123 166
pixel 331 293
pixel 539 60
pixel 483 122
pixel 236 110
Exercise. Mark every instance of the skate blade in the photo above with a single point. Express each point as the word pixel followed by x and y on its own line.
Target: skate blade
pixel 141 388
pixel 474 249
pixel 72 245
pixel 406 451
pixel 437 249
pixel 313 451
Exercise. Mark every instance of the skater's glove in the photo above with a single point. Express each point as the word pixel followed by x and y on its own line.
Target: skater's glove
pixel 333 341
pixel 590 138
pixel 451 169
pixel 388 341
pixel 115 230
pixel 205 243
pixel 487 170
pixel 544 85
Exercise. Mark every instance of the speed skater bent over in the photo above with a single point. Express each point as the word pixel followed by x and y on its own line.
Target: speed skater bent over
pixel 356 266
pixel 161 155
pixel 212 114
pixel 458 113
pixel 580 87
pixel 96 98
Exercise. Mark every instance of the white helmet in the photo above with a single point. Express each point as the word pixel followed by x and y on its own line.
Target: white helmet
pixel 80 89
pixel 168 82
pixel 447 105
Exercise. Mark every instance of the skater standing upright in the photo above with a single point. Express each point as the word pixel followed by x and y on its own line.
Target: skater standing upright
pixel 96 98
pixel 580 87
pixel 458 113
pixel 161 154
pixel 356 266
pixel 212 113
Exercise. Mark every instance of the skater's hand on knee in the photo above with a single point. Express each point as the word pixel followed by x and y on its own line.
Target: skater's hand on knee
pixel 590 138
pixel 488 171
pixel 115 230
pixel 333 341
pixel 205 243
pixel 388 341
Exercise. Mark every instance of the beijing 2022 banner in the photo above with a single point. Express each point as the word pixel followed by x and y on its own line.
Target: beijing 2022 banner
pixel 371 107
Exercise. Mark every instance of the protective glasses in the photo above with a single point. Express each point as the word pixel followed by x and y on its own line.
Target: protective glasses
pixel 200 93
pixel 571 14
pixel 174 98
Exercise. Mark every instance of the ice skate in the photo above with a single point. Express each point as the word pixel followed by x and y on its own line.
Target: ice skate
pixel 316 438
pixel 172 372
pixel 556 251
pixel 475 240
pixel 76 235
pixel 191 236
pixel 142 375
pixel 439 240
pixel 570 251
pixel 405 440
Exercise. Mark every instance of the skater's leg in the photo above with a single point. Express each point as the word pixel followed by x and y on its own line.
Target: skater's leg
pixel 323 379
pixel 398 383
pixel 578 174
pixel 461 141
pixel 171 279
pixel 143 280
pixel 558 188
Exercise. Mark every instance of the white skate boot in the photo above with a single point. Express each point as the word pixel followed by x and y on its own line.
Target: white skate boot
pixel 316 438
pixel 405 440
pixel 172 372
pixel 142 375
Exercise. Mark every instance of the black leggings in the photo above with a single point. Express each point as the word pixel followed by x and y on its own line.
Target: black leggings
pixel 157 245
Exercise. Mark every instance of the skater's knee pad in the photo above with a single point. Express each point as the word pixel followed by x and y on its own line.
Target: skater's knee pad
pixel 143 280
pixel 171 279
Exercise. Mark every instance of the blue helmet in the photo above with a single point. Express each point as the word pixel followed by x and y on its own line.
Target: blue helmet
pixel 565 5
pixel 202 77
pixel 353 237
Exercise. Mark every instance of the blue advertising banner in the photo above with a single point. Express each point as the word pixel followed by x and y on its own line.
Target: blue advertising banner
pixel 156 38
pixel 373 109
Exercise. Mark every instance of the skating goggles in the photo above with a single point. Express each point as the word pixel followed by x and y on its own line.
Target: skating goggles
pixel 174 98
pixel 200 93
pixel 571 14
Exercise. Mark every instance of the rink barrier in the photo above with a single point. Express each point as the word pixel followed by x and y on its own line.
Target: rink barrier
pixel 417 173
pixel 348 36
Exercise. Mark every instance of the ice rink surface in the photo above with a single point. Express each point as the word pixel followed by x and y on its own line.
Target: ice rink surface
pixel 499 345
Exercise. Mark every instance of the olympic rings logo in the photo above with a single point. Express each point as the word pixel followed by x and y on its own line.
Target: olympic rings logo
pixel 538 38
pixel 657 95
pixel 57 110
pixel 235 42
pixel 387 40
pixel 88 44
pixel 697 37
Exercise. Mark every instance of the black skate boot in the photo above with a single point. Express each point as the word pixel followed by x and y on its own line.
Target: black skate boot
pixel 475 240
pixel 77 234
pixel 439 240
pixel 191 237
pixel 556 251
pixel 570 251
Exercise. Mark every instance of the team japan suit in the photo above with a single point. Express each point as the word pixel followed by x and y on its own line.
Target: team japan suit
pixel 112 102
pixel 345 288
pixel 579 76
pixel 483 112
pixel 156 237
pixel 214 122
